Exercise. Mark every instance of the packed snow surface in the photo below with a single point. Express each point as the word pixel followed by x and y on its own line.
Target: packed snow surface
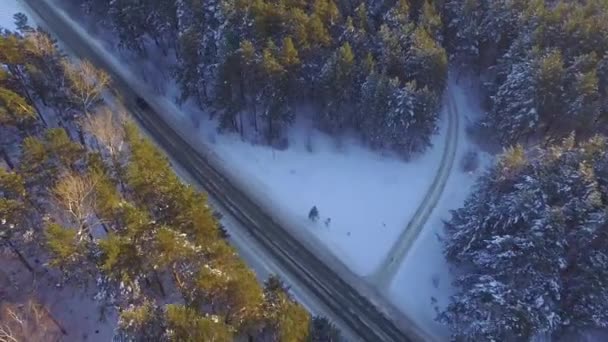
pixel 8 8
pixel 367 197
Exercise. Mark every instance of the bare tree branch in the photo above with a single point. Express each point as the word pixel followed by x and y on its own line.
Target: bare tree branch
pixel 75 194
pixel 27 321
pixel 6 334
pixel 86 83
pixel 107 127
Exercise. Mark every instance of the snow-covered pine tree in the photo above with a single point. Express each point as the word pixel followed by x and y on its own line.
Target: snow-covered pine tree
pixel 426 61
pixel 373 106
pixel 481 31
pixel 410 120
pixel 338 89
pixel 162 23
pixel 581 88
pixel 531 244
pixel 399 118
pixel 549 88
pixel 129 20
pixel 514 114
pixel 200 31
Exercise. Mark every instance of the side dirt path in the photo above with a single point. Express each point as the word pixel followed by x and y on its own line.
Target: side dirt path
pixel 389 266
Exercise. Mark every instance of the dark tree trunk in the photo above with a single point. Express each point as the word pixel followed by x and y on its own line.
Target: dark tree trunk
pixel 15 71
pixel 7 159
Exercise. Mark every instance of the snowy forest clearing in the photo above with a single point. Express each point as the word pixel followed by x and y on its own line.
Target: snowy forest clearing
pixel 328 178
pixel 358 188
pixel 349 183
pixel 369 74
pixel 367 197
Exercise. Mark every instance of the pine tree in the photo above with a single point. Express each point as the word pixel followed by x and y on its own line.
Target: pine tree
pixel 322 330
pixel 327 11
pixel 229 288
pixel 43 159
pixel 410 120
pixel 130 22
pixel 362 17
pixel 581 88
pixel 531 238
pixel 318 33
pixel 289 54
pixel 515 113
pixel 12 203
pixel 427 62
pixel 276 109
pixel 13 57
pixel 185 324
pixel 143 322
pixel 549 88
pixel 430 20
pixel 65 248
pixel 374 106
pixel 14 109
pixel 289 321
pixel 338 89
pixel 188 70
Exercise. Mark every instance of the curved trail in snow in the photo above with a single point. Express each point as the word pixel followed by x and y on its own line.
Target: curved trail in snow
pixel 389 266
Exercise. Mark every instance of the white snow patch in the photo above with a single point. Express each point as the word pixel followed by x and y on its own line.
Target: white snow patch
pixel 368 197
pixel 8 9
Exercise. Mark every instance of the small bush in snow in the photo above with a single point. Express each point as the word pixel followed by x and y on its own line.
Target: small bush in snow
pixel 470 161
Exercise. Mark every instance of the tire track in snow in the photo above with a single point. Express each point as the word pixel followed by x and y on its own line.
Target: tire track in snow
pixel 389 266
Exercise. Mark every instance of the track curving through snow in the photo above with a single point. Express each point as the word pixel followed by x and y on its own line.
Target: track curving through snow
pixel 389 266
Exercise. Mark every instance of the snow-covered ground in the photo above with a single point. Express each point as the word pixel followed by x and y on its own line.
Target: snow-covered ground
pixel 8 8
pixel 423 283
pixel 369 196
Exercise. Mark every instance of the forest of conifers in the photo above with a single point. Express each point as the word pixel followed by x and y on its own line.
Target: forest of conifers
pixel 83 191
pixel 530 244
